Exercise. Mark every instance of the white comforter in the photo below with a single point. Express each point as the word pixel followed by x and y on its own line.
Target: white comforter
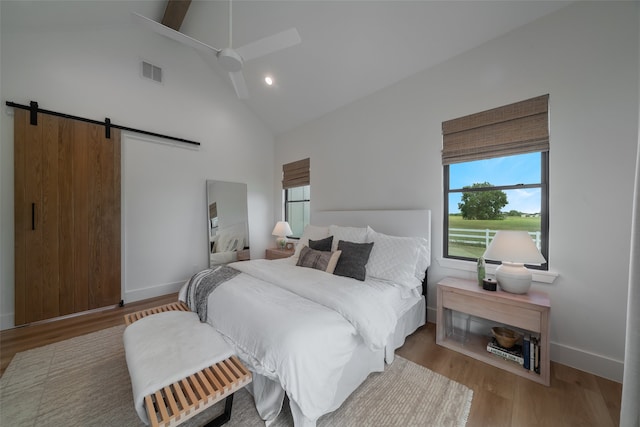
pixel 299 326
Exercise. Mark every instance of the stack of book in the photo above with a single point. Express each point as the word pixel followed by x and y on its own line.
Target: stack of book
pixel 526 354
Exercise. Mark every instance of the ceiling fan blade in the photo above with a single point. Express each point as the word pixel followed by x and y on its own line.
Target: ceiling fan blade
pixel 269 44
pixel 239 84
pixel 175 35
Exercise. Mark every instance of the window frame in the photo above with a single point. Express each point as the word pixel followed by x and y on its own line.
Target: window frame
pixel 544 210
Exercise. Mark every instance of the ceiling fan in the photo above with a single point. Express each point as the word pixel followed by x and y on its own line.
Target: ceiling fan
pixel 230 59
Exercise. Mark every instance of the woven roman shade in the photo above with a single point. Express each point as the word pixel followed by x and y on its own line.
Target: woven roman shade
pixel 519 128
pixel 295 174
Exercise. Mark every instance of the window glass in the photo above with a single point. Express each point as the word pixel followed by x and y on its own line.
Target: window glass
pixel 484 196
pixel 520 169
pixel 297 209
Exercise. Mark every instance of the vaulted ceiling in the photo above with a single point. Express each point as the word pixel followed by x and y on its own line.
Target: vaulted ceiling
pixel 349 49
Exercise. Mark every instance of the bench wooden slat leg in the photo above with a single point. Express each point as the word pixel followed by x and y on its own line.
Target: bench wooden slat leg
pixel 221 377
pixel 153 419
pixel 241 368
pixel 226 371
pixel 181 398
pixel 200 394
pixel 232 369
pixel 168 393
pixel 162 408
pixel 204 381
pixel 186 387
pixel 213 380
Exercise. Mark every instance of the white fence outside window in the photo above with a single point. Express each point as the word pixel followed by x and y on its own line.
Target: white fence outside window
pixel 475 237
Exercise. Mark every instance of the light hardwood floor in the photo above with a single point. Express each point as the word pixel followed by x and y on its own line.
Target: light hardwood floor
pixel 575 398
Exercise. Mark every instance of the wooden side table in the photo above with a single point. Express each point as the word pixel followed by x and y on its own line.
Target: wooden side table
pixel 529 312
pixel 277 253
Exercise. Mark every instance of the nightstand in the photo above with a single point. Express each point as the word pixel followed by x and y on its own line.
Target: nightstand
pixel 276 253
pixel 244 255
pixel 529 313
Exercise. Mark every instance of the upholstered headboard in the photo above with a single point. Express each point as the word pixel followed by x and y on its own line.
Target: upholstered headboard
pixel 405 223
pixel 411 222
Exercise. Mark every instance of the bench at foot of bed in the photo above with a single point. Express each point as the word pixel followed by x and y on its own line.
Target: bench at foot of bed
pixel 175 403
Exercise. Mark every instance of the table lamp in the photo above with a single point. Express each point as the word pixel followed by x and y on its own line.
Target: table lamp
pixel 514 249
pixel 282 230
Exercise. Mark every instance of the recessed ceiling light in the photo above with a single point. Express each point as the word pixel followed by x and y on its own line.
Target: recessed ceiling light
pixel 268 80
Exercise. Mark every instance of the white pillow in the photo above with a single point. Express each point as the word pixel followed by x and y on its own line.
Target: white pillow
pixel 424 257
pixel 393 258
pixel 313 232
pixel 348 234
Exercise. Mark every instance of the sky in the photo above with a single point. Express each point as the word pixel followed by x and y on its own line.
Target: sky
pixel 520 169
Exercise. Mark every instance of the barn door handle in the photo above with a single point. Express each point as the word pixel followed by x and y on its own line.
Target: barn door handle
pixel 33 216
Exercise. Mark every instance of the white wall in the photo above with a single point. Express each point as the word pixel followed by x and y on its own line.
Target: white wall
pixel 384 152
pixel 95 74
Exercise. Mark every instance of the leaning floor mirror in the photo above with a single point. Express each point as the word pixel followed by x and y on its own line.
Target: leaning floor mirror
pixel 228 224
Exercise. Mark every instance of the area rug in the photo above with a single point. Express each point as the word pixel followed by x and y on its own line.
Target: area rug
pixel 84 381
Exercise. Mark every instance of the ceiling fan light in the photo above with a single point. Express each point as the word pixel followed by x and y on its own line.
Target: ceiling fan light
pixel 268 80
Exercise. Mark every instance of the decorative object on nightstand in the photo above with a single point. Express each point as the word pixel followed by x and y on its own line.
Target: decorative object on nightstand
pixel 489 284
pixel 514 249
pixel 481 271
pixel 282 230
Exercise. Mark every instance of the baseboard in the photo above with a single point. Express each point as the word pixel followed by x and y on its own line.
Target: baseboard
pixel 583 360
pixel 151 292
pixel 7 321
pixel 596 364
pixel 432 314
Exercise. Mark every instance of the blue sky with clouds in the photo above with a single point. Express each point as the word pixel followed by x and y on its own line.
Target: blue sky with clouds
pixel 520 169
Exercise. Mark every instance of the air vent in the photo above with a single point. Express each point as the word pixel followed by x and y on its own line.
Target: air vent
pixel 150 71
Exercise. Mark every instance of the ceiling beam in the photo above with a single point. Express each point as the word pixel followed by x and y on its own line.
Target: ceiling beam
pixel 175 12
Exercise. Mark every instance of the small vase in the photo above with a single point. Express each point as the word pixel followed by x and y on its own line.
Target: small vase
pixel 481 271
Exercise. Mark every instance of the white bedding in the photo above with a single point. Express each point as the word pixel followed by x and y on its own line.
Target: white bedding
pixel 315 322
pixel 317 336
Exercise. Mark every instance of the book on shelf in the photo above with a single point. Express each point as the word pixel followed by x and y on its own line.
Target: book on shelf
pixel 531 353
pixel 526 351
pixel 536 357
pixel 514 353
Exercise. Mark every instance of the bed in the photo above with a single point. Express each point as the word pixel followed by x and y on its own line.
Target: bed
pixel 313 335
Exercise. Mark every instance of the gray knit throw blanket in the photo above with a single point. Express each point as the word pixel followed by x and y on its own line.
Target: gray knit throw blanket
pixel 202 284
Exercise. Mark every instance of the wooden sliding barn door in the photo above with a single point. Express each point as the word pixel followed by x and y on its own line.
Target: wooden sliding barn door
pixel 67 217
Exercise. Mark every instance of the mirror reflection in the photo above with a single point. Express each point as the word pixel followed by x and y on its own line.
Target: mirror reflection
pixel 228 224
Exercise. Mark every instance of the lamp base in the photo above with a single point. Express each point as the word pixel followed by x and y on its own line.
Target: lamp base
pixel 513 277
pixel 281 242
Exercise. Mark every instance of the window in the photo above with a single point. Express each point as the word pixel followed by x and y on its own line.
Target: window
pixel 297 200
pixel 296 209
pixel 496 177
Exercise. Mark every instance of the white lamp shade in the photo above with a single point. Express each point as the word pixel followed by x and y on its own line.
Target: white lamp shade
pixel 282 229
pixel 514 249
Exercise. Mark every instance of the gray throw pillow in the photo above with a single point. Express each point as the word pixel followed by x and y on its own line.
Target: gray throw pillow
pixel 319 260
pixel 353 259
pixel 321 245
